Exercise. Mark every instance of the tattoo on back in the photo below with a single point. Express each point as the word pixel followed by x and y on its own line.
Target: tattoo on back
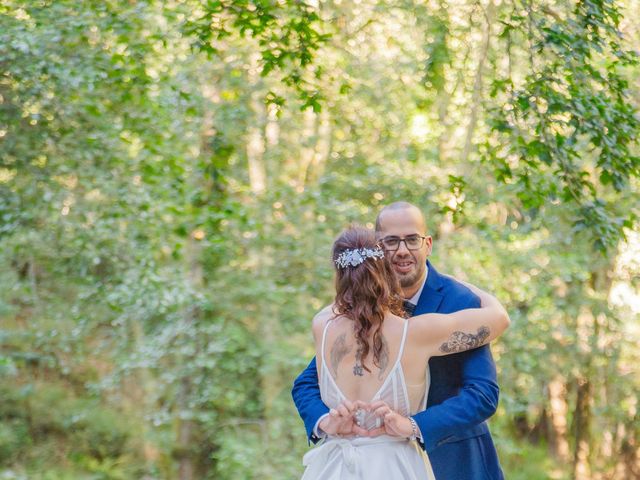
pixel 383 361
pixel 358 369
pixel 338 351
pixel 384 358
pixel 460 341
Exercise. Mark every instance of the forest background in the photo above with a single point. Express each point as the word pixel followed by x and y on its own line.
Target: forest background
pixel 173 173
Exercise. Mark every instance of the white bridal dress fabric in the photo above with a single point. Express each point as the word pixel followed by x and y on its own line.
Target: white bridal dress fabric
pixel 383 457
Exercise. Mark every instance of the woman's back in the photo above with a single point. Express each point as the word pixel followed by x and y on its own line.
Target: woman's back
pixel 344 375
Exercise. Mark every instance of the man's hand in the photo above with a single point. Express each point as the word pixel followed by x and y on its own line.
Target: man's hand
pixel 341 421
pixel 395 425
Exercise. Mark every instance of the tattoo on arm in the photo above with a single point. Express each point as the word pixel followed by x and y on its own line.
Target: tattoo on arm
pixel 460 341
pixel 338 351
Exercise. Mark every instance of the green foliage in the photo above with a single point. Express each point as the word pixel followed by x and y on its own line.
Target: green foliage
pixel 14 437
pixel 167 213
pixel 569 129
pixel 288 33
pixel 44 423
pixel 524 461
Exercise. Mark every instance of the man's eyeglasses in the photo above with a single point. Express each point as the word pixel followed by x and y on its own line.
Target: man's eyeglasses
pixel 412 242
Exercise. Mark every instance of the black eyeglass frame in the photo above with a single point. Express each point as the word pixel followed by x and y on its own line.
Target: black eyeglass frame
pixel 403 239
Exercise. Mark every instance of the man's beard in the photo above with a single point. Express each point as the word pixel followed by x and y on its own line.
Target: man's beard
pixel 409 280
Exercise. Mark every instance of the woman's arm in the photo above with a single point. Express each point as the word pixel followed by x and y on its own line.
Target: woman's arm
pixel 444 334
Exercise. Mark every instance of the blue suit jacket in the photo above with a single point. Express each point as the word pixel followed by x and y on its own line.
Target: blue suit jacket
pixel 463 394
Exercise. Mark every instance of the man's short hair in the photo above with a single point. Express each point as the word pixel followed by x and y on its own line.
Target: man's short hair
pixel 391 207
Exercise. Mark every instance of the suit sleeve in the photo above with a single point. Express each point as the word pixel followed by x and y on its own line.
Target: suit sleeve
pixel 476 401
pixel 306 396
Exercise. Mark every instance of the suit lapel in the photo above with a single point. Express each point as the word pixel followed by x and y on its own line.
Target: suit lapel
pixel 430 298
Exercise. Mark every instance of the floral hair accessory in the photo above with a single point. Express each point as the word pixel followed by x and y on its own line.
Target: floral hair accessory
pixel 356 256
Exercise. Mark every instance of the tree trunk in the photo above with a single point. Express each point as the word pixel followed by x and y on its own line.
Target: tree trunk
pixel 185 431
pixel 255 138
pixel 272 129
pixel 194 273
pixel 476 97
pixel 321 150
pixel 582 425
pixel 33 283
pixel 308 151
pixel 186 426
pixel 558 409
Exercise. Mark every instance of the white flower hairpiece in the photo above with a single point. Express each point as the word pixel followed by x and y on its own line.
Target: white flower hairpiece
pixel 356 256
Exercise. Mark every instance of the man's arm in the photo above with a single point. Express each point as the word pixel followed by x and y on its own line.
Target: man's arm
pixel 306 396
pixel 476 401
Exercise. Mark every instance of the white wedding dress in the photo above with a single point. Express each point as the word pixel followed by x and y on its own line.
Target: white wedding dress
pixel 384 457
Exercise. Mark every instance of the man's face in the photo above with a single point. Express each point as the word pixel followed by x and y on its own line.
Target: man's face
pixel 408 265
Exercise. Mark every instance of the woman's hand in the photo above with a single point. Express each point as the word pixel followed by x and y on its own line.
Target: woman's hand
pixel 341 421
pixel 395 425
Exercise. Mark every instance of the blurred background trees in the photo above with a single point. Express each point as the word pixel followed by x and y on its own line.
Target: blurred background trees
pixel 172 175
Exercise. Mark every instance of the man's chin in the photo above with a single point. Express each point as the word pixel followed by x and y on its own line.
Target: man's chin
pixel 407 279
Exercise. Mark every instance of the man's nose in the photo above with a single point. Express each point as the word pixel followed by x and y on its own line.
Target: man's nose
pixel 402 248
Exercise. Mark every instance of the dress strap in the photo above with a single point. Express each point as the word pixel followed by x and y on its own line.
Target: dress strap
pixel 324 337
pixel 404 338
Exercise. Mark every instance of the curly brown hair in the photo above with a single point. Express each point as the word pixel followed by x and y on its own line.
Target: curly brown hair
pixel 365 292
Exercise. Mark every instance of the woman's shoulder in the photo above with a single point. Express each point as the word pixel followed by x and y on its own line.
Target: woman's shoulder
pixel 324 314
pixel 321 318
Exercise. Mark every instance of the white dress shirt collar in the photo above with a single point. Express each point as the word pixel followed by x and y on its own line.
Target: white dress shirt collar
pixel 416 296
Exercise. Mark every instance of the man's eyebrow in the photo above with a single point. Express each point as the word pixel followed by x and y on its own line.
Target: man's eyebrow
pixel 406 236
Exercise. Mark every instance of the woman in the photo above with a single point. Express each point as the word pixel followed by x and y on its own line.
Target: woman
pixel 371 358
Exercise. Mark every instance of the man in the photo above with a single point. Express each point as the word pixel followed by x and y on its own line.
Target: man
pixel 464 390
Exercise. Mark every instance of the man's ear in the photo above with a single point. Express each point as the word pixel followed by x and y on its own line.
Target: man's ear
pixel 429 243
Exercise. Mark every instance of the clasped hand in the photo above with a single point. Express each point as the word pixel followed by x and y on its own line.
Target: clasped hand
pixel 342 422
